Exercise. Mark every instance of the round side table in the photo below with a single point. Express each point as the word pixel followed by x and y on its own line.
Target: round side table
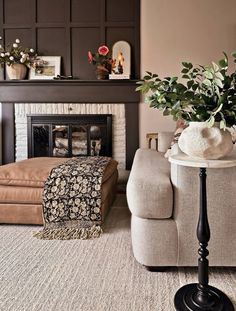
pixel 201 296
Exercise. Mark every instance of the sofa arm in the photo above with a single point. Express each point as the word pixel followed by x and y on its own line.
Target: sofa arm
pixel 149 190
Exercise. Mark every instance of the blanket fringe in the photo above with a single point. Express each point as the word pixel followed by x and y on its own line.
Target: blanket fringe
pixel 69 233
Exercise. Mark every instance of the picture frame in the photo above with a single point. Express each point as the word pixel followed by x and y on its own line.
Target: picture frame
pixel 49 70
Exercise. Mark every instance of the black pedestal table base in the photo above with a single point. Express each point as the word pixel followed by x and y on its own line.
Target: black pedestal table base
pixel 187 299
pixel 201 296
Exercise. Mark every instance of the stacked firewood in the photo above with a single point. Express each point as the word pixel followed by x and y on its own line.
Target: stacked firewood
pixel 79 143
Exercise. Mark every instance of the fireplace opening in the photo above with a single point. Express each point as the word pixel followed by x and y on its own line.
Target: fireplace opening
pixel 69 135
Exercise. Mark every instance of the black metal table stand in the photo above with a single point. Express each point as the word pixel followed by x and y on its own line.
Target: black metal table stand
pixel 201 296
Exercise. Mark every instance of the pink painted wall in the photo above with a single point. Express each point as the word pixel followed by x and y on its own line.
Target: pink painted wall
pixel 181 30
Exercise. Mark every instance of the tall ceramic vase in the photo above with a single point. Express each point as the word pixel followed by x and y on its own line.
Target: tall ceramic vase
pixel 200 141
pixel 16 71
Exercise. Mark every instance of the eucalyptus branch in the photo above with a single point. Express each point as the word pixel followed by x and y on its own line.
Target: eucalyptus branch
pixel 209 94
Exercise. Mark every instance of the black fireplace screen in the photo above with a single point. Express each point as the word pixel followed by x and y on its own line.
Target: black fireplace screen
pixel 69 135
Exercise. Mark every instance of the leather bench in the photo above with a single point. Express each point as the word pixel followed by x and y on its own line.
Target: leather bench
pixel 21 188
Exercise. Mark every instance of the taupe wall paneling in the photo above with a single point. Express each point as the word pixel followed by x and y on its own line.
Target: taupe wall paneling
pixel 85 11
pixel 25 34
pixel 17 12
pixel 84 39
pixel 118 11
pixel 123 23
pixel 51 42
pixel 51 11
pixel 69 28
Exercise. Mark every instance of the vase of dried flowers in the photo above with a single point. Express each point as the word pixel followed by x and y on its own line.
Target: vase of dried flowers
pixel 17 59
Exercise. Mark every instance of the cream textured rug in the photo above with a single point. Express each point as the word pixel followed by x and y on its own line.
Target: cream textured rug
pixel 91 275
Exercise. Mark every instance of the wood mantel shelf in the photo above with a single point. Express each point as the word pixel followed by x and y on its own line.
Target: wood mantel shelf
pixel 72 91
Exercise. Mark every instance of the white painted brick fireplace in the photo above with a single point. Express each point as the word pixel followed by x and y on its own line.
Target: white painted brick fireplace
pixel 118 123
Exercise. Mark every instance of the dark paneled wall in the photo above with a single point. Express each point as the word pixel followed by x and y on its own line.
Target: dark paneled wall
pixel 70 28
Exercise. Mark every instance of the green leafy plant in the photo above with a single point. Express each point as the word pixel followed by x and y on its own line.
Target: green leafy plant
pixel 208 95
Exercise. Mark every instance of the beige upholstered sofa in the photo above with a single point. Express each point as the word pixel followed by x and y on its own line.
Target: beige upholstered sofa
pixel 163 200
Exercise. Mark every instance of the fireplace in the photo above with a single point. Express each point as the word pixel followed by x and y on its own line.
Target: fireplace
pixel 70 97
pixel 69 135
pixel 55 119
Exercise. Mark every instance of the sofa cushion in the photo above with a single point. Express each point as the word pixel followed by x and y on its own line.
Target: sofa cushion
pixel 149 190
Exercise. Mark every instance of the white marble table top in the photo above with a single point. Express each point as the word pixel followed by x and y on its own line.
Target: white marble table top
pixel 185 160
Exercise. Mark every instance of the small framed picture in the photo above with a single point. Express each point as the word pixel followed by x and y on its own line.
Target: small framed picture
pixel 48 67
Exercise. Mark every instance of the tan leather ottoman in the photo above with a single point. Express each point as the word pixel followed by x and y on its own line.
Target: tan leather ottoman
pixel 21 188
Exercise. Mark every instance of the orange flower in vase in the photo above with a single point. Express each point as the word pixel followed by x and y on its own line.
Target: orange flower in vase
pixel 103 62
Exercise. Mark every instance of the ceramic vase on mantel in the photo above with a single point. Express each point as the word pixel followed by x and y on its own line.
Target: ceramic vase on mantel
pixel 16 71
pixel 203 142
pixel 102 73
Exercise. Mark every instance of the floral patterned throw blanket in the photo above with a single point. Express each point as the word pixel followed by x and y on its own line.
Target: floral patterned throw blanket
pixel 72 200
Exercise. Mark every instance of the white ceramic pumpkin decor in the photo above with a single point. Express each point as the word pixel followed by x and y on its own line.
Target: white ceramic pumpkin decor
pixel 203 142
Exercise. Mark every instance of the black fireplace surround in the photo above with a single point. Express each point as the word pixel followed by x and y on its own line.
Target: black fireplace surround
pixel 69 135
